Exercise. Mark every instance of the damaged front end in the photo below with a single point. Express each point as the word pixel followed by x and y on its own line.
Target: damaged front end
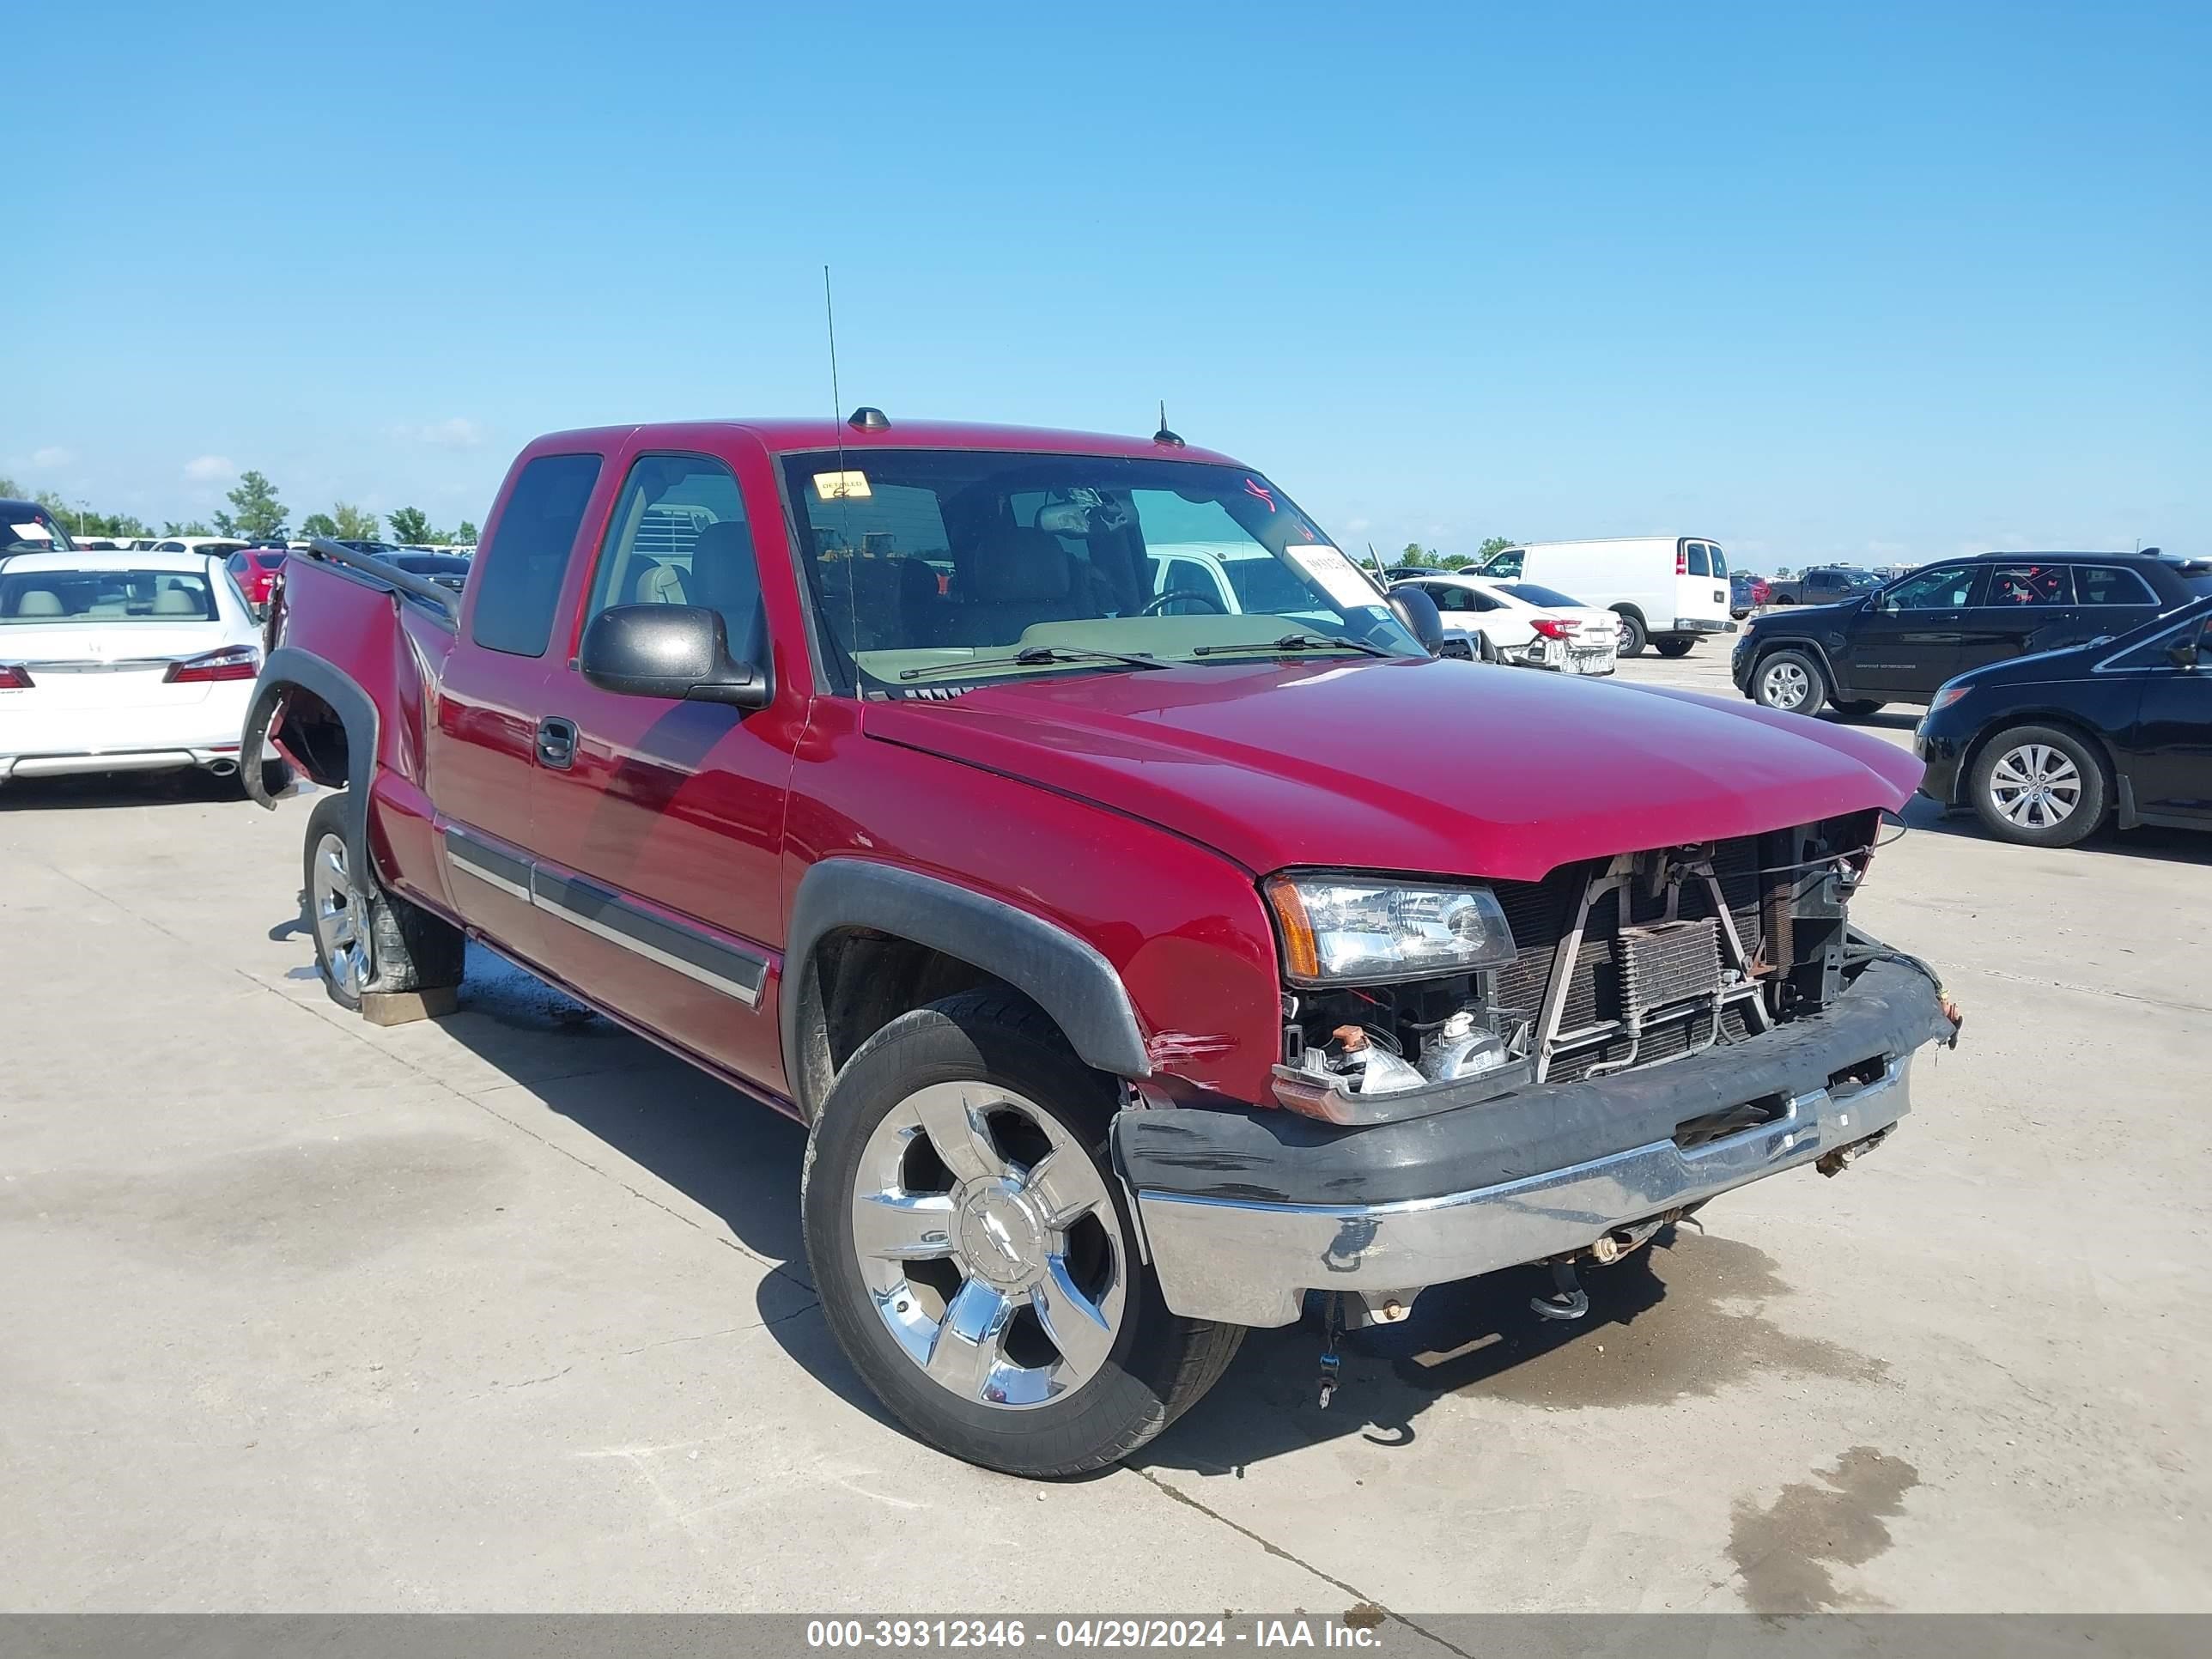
pixel 1611 1047
pixel 1602 967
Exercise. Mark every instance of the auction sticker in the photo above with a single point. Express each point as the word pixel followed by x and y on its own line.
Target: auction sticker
pixel 1339 577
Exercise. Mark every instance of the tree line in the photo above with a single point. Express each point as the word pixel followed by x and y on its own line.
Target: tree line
pixel 1427 558
pixel 255 514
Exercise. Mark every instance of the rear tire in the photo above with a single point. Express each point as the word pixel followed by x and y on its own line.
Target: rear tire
pixel 1675 648
pixel 1859 708
pixel 1790 682
pixel 2037 786
pixel 1001 1313
pixel 1633 634
pixel 366 940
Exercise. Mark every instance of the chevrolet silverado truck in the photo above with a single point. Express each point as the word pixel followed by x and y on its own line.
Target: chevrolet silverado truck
pixel 1134 989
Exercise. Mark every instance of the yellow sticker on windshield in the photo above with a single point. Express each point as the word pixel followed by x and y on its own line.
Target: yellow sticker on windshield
pixel 840 486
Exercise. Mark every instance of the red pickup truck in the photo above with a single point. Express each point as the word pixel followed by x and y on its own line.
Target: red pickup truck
pixel 1143 961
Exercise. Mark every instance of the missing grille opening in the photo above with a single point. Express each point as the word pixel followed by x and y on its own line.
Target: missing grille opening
pixel 1853 1077
pixel 1709 1126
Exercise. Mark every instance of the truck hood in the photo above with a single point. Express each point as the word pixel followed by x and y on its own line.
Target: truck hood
pixel 1430 766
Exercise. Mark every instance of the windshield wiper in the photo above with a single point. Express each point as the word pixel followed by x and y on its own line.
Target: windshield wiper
pixel 1036 656
pixel 1294 642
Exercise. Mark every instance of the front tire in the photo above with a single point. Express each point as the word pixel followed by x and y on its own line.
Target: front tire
pixel 1790 682
pixel 366 940
pixel 1675 648
pixel 1859 708
pixel 974 1251
pixel 2039 786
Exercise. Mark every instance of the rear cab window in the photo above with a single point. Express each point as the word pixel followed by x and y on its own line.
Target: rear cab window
pixel 518 584
pixel 1700 559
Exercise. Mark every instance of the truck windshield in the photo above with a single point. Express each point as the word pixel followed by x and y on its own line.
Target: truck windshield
pixel 932 560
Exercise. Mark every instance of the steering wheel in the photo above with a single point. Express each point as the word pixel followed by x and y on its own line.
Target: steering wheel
pixel 1159 602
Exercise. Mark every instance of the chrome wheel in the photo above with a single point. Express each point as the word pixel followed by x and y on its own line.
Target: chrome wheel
pixel 1623 635
pixel 1784 685
pixel 2035 785
pixel 989 1245
pixel 341 916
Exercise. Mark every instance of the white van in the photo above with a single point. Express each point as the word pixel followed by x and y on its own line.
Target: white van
pixel 1666 589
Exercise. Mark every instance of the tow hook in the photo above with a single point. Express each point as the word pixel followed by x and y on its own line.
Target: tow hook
pixel 1835 1163
pixel 1331 1325
pixel 1569 1300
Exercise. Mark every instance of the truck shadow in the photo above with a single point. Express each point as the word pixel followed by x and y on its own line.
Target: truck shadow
pixel 1685 1318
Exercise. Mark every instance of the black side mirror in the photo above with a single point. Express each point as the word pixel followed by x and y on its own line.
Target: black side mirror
pixel 2186 654
pixel 1423 620
pixel 679 650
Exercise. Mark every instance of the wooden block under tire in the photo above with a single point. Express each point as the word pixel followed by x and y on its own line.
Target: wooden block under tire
pixel 405 1007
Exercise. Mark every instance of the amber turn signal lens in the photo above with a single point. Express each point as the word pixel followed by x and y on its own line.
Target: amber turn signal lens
pixel 1299 956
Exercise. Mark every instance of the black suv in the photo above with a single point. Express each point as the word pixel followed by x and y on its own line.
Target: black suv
pixel 1898 642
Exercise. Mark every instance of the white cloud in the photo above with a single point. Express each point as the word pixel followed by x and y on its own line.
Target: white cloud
pixel 52 458
pixel 455 434
pixel 210 468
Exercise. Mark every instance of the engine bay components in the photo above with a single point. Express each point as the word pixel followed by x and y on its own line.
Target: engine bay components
pixel 1637 960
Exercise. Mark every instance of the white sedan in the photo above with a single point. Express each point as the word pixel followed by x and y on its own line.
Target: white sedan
pixel 1529 626
pixel 114 662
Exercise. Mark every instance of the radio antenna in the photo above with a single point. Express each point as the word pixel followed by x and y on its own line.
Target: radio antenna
pixel 844 480
pixel 836 402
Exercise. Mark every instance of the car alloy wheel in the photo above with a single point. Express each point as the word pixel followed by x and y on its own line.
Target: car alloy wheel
pixel 1784 685
pixel 986 1241
pixel 2035 785
pixel 341 915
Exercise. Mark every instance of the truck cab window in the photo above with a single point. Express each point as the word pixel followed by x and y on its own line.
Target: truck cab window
pixel 678 535
pixel 518 580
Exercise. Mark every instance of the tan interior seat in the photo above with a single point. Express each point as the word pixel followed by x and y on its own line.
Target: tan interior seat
pixel 177 602
pixel 40 602
pixel 659 584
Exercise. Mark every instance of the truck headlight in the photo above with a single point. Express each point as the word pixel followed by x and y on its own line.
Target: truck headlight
pixel 1342 929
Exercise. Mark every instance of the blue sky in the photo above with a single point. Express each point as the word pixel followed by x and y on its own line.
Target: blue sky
pixel 1866 281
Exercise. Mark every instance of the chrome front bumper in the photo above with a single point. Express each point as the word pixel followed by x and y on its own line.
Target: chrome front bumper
pixel 1249 1263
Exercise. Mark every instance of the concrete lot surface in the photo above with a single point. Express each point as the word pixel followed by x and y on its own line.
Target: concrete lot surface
pixel 508 1311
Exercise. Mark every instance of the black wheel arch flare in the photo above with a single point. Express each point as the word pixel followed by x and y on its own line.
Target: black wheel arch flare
pixel 1066 977
pixel 286 668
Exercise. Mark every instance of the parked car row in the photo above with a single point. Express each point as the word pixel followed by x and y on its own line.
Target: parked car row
pixel 2063 689
pixel 1518 622
pixel 1669 592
